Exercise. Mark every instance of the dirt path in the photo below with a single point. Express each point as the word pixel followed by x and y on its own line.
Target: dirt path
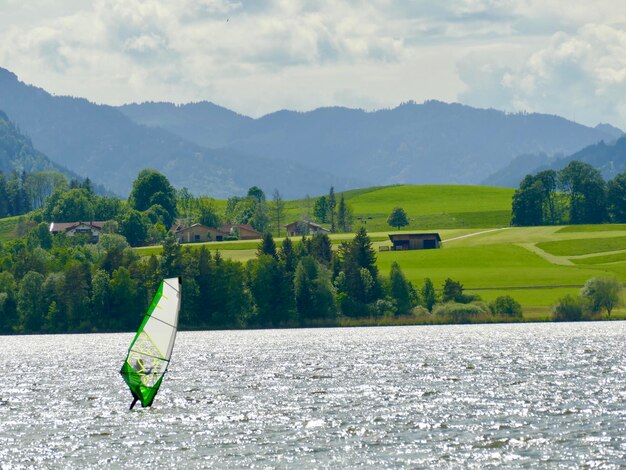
pixel 474 234
pixel 561 260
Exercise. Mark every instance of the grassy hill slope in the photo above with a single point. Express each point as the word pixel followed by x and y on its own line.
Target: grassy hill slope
pixel 428 206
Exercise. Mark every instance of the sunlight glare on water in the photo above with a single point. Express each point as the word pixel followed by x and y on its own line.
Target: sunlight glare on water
pixel 518 396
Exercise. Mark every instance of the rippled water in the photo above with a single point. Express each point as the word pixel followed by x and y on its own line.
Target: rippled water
pixel 528 395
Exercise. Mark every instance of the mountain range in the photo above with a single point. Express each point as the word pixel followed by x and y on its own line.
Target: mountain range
pixel 214 151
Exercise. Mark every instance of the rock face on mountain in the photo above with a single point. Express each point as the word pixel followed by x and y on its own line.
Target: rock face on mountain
pixel 217 152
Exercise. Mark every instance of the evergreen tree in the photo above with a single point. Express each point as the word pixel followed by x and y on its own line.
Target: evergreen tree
pixel 428 294
pixel 314 293
pixel 342 214
pixel 332 203
pixel 399 289
pixel 452 291
pixel 171 258
pixel 288 257
pixel 267 246
pixel 320 209
pixel 321 248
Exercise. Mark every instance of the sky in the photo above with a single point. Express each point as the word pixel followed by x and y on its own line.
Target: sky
pixel 564 57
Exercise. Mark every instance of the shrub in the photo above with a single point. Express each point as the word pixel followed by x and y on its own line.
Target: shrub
pixel 569 308
pixel 459 313
pixel 506 305
pixel 420 312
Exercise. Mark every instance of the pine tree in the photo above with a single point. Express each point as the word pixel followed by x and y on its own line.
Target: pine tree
pixel 429 297
pixel 399 289
pixel 332 202
pixel 267 246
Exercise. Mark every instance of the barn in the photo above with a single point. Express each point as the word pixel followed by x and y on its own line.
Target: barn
pixel 415 241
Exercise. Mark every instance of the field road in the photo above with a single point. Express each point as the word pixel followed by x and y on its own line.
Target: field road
pixel 474 233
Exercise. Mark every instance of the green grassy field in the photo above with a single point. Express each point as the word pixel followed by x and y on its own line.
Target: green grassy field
pixel 504 262
pixel 7 228
pixel 428 206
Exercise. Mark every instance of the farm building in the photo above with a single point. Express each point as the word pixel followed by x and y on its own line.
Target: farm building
pixel 202 233
pixel 415 241
pixel 304 227
pixel 91 229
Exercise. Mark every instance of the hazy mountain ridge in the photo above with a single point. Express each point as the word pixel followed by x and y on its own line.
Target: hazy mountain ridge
pixel 215 151
pixel 18 154
pixel 609 158
pixel 101 142
pixel 433 142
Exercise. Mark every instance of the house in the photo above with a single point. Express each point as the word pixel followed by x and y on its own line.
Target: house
pixel 304 227
pixel 91 229
pixel 415 241
pixel 202 233
pixel 246 231
pixel 199 233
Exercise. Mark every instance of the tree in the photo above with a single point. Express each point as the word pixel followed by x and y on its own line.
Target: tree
pixel 151 187
pixel 569 308
pixel 399 289
pixel 267 246
pixel 260 219
pixel 321 248
pixel 506 305
pixel 587 193
pixel 616 199
pixel 452 291
pixel 171 258
pixel 278 209
pixel 73 206
pixel 133 226
pixel 313 291
pixel 359 269
pixel 398 218
pixel 209 215
pixel 31 307
pixel 332 202
pixel 428 294
pixel 602 292
pixel 320 209
pixel 256 193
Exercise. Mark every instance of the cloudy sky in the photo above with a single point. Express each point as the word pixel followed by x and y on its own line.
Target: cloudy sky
pixel 565 57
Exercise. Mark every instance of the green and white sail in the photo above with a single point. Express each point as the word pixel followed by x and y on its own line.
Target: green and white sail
pixel 149 353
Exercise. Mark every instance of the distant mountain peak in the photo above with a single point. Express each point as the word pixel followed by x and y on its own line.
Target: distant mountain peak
pixel 616 132
pixel 7 75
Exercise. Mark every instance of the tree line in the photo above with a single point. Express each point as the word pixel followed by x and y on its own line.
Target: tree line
pixel 59 284
pixel 577 194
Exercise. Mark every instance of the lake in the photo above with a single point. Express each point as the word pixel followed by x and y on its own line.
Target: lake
pixel 515 396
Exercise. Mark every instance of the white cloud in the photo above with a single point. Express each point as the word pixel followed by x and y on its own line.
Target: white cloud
pixel 581 76
pixel 257 56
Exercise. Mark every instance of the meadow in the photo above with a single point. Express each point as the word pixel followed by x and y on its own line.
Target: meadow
pixel 427 206
pixel 534 265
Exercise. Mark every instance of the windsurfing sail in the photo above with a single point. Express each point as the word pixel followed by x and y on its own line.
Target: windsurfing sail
pixel 150 351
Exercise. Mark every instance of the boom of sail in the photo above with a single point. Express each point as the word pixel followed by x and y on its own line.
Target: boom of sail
pixel 150 351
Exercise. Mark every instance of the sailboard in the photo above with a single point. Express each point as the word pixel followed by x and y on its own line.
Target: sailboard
pixel 150 351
